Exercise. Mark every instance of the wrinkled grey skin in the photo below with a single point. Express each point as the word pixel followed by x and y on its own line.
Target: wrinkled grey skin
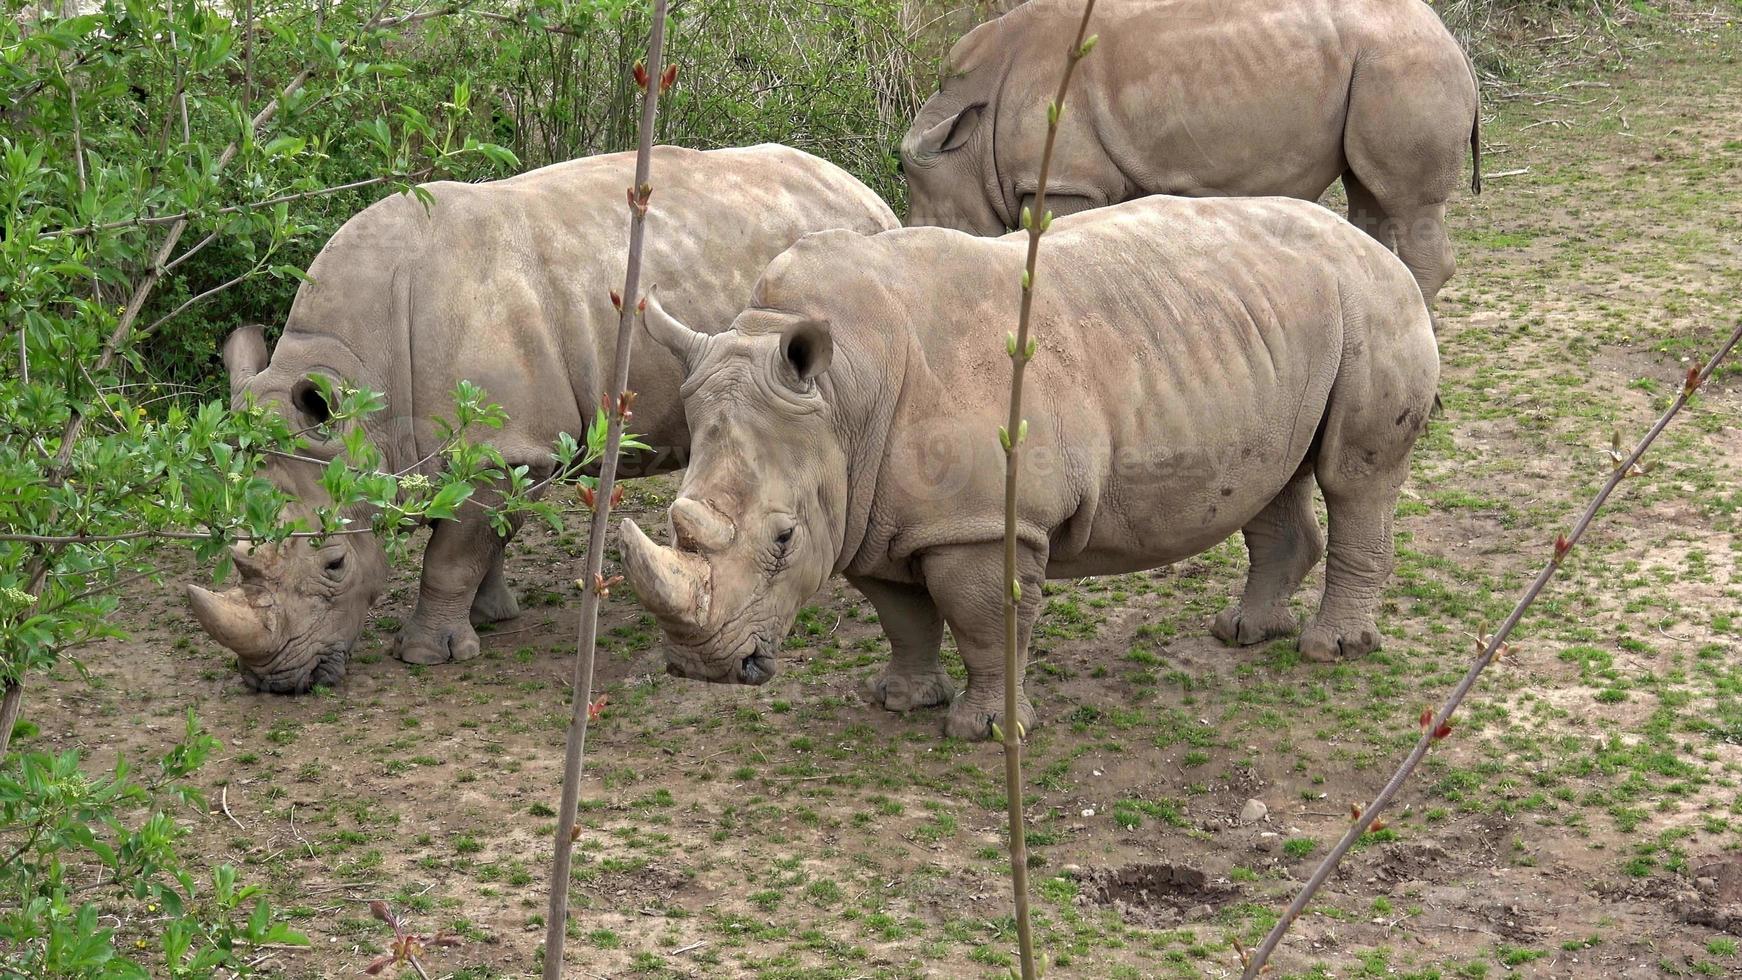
pixel 1202 362
pixel 1207 98
pixel 506 284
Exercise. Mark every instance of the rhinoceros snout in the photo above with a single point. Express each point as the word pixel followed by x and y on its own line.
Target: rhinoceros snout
pixel 754 668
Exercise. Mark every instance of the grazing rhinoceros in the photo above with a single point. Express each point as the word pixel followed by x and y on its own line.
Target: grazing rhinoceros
pixel 506 284
pixel 1207 98
pixel 1200 362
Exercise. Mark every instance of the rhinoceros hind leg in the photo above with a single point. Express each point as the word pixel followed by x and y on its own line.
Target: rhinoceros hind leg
pixel 494 601
pixel 1357 564
pixel 965 583
pixel 914 678
pixel 1423 245
pixel 1284 543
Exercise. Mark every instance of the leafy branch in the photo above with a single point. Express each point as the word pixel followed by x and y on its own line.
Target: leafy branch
pixel 1437 725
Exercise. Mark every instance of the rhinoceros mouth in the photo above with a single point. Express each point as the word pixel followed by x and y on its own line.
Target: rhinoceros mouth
pixel 328 670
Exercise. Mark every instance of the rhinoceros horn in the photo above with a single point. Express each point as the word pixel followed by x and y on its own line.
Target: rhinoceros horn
pixel 701 526
pixel 673 335
pixel 671 584
pixel 233 621
pixel 252 562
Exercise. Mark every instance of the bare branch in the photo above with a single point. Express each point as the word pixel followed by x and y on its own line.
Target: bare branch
pixel 1437 726
pixel 151 220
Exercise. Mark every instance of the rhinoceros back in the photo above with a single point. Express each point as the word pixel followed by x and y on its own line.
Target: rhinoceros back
pixel 507 284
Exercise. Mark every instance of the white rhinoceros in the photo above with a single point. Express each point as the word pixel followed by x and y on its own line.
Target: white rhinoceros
pixel 1201 362
pixel 506 284
pixel 1235 98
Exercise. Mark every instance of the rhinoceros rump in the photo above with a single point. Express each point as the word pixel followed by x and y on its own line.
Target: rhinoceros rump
pixel 1207 98
pixel 505 284
pixel 1201 362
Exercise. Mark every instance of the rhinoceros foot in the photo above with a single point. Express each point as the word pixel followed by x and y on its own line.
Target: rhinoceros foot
pixel 905 692
pixel 971 718
pixel 418 643
pixel 1327 643
pixel 1241 627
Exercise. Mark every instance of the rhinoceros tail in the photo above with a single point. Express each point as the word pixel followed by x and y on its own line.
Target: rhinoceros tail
pixel 1475 130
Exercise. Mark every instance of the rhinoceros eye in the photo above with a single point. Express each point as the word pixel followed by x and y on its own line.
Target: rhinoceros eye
pixel 335 566
pixel 783 540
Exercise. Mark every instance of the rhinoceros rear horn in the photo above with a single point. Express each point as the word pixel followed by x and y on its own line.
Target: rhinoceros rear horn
pixel 671 584
pixel 245 355
pixel 233 622
pixel 700 525
pixel 672 334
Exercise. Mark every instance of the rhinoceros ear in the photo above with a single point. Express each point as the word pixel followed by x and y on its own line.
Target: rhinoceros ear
pixel 806 348
pixel 245 355
pixel 671 333
pixel 950 133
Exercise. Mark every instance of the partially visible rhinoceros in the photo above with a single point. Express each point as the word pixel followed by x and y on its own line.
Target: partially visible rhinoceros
pixel 1201 362
pixel 505 284
pixel 1202 98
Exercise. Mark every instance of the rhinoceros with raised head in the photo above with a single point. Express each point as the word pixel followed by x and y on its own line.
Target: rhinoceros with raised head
pixel 505 284
pixel 1207 98
pixel 1201 363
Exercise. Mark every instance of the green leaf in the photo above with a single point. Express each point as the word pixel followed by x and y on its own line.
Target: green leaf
pixel 285 146
pixel 447 500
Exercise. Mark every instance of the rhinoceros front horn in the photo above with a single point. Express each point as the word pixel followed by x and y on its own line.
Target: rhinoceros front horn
pixel 671 584
pixel 673 335
pixel 233 622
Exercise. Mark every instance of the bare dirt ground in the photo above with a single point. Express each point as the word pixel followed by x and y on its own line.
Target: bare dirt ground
pixel 1580 822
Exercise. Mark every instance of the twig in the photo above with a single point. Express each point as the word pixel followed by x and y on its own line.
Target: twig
pixel 1438 725
pixel 295 833
pixel 1506 173
pixel 1021 350
pixel 692 947
pixel 224 801
pixel 653 80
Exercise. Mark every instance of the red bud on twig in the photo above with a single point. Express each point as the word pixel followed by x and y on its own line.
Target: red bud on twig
pixel 1693 382
pixel 379 910
pixel 1561 547
pixel 668 79
pixel 1427 717
pixel 587 496
pixel 1442 731
pixel 597 708
pixel 617 300
pixel 641 75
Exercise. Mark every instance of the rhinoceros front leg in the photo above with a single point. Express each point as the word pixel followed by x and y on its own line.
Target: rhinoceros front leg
pixel 965 582
pixel 1284 543
pixel 914 678
pixel 457 561
pixel 494 601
